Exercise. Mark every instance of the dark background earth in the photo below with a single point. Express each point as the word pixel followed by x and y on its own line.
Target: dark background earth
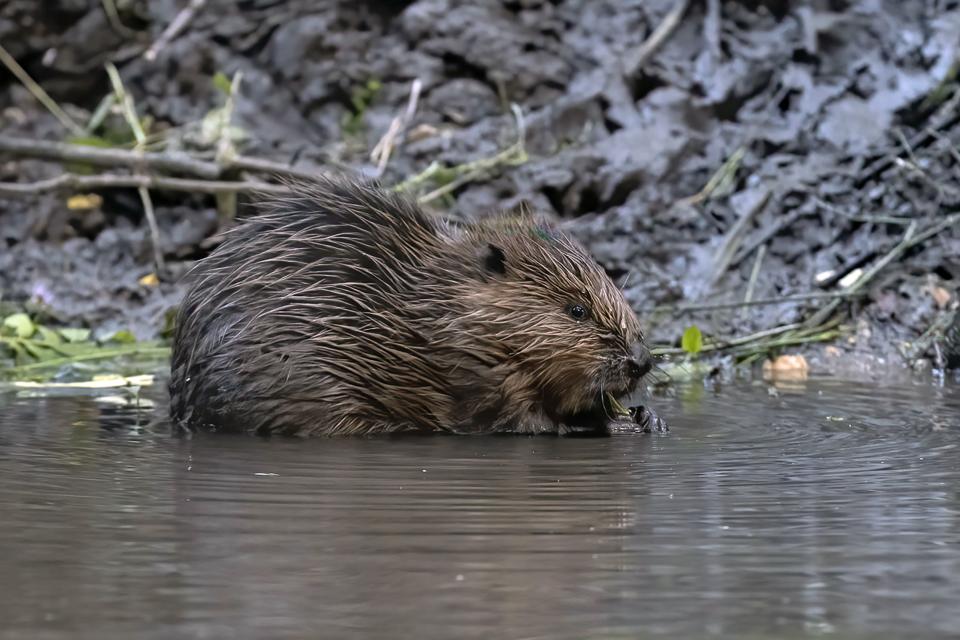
pixel 846 113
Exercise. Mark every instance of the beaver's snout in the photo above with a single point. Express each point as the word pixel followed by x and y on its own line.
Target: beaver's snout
pixel 638 363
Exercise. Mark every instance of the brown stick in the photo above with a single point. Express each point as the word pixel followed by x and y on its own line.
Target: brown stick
pixel 638 58
pixel 172 161
pixel 175 161
pixel 381 152
pixel 70 181
pixel 246 163
pixel 38 92
pixel 910 239
pixel 177 25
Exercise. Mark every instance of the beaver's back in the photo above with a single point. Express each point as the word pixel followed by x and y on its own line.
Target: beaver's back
pixel 282 322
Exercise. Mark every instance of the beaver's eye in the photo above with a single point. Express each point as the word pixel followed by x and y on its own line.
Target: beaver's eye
pixel 578 311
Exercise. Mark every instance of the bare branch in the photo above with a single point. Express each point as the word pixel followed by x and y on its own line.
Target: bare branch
pixel 70 181
pixel 42 96
pixel 177 25
pixel 170 161
pixel 664 30
pixel 381 152
pixel 174 161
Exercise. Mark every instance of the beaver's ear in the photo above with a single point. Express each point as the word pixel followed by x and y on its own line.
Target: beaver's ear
pixel 494 260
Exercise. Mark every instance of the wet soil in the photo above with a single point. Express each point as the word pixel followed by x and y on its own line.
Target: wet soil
pixel 845 112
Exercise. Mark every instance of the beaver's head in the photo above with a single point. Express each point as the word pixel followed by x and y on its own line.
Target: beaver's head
pixel 570 339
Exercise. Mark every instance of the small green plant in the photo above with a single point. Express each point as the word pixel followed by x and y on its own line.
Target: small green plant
pixel 360 99
pixel 692 341
pixel 222 83
pixel 217 130
pixel 28 349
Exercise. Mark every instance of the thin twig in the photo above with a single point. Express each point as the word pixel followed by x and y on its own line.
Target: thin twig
pixel 767 234
pixel 70 181
pixel 859 218
pixel 144 193
pixel 177 25
pixel 783 336
pixel 468 171
pixel 913 168
pixel 169 161
pixel 638 58
pixel 113 17
pixel 100 113
pixel 788 341
pixel 456 183
pixel 415 181
pixel 734 342
pixel 127 106
pixel 42 96
pixel 173 161
pixel 225 148
pixel 910 239
pixel 902 246
pixel 951 148
pixel 384 148
pixel 752 282
pixel 725 254
pixel 934 332
pixel 942 90
pixel 759 335
pixel 246 163
pixel 724 174
pixel 905 145
pixel 946 117
pixel 760 302
pixel 711 29
pixel 133 121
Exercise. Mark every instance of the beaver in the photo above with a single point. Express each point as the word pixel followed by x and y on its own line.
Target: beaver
pixel 344 308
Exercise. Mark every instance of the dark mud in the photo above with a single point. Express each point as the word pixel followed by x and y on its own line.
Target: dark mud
pixel 846 115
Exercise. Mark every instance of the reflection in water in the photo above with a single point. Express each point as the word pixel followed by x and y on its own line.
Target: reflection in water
pixel 834 509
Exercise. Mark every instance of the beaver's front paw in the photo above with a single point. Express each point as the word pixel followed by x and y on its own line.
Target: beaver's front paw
pixel 639 419
pixel 649 420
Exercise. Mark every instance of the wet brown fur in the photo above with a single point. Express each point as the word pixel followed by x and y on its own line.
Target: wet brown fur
pixel 345 309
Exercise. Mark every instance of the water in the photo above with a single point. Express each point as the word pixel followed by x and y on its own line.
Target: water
pixel 833 510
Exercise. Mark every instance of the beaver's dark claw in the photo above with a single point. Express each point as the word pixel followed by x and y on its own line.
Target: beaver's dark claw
pixel 648 420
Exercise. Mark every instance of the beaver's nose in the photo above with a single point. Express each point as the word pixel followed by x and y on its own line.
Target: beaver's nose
pixel 638 364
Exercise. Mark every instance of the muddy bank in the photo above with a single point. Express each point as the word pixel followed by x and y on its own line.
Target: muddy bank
pixel 766 150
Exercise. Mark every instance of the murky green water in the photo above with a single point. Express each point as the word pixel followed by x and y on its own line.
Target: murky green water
pixel 833 511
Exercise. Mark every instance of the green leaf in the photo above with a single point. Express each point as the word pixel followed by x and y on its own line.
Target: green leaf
pixel 124 336
pixel 90 141
pixel 37 350
pixel 222 82
pixel 19 355
pixel 19 324
pixel 98 142
pixel 692 341
pixel 47 335
pixel 72 334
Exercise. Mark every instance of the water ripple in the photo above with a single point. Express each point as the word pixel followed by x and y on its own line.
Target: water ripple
pixel 827 508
